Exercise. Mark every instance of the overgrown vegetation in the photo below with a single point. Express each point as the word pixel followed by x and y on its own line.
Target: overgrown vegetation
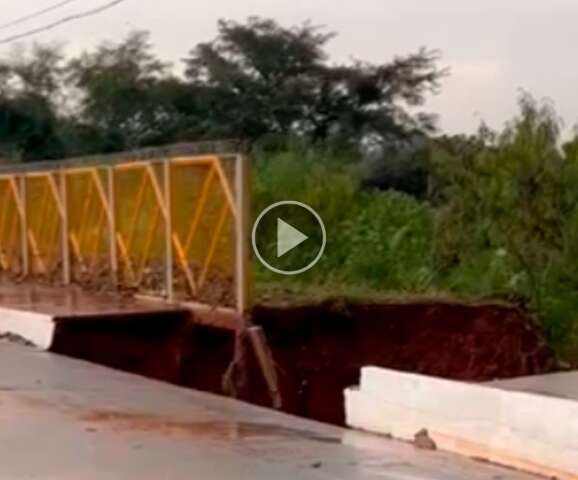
pixel 408 211
pixel 500 220
pixel 378 240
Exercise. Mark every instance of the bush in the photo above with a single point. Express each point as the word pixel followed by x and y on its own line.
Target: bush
pixel 508 220
pixel 378 240
pixel 388 243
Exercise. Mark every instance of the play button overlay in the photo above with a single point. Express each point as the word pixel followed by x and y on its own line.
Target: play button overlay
pixel 289 237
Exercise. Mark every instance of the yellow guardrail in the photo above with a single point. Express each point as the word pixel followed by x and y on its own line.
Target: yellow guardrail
pixel 164 227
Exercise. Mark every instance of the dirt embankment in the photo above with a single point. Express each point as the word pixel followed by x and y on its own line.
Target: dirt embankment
pixel 319 349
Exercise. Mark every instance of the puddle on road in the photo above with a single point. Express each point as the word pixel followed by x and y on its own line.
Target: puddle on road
pixel 211 430
pixel 123 421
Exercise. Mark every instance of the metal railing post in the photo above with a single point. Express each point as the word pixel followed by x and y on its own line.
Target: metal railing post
pixel 112 246
pixel 64 224
pixel 24 226
pixel 169 253
pixel 242 190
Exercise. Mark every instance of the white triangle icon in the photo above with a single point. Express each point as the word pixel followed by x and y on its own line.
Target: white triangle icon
pixel 288 237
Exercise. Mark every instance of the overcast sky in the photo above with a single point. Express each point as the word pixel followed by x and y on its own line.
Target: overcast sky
pixel 493 47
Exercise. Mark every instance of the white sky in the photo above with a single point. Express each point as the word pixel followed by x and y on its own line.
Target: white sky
pixel 493 47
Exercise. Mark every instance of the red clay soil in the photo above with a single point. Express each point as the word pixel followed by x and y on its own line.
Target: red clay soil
pixel 319 349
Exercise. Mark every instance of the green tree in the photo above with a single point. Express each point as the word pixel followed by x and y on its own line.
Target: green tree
pixel 261 78
pixel 119 91
pixel 31 83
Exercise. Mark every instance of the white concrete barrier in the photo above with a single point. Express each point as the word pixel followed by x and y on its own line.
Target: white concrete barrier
pixel 37 328
pixel 528 431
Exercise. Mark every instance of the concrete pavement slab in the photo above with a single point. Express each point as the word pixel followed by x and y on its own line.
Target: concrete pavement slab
pixel 66 419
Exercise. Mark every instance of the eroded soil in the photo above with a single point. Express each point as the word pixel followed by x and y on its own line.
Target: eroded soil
pixel 319 349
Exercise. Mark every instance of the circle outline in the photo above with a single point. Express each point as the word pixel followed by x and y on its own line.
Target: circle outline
pixel 310 264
